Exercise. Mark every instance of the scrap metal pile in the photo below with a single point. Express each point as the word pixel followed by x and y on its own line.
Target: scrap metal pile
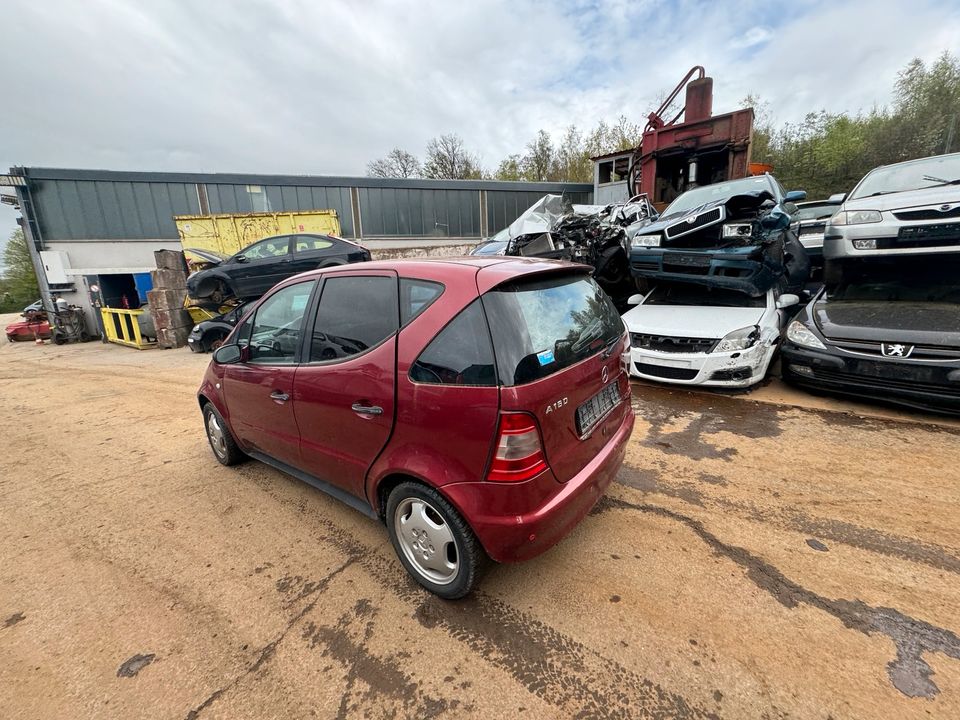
pixel 595 235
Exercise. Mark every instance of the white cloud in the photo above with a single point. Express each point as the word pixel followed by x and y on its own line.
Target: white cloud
pixel 304 87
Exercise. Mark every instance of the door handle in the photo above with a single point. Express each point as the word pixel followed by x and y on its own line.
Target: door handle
pixel 366 409
pixel 279 396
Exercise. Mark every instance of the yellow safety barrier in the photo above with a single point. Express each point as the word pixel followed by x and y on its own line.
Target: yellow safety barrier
pixel 122 327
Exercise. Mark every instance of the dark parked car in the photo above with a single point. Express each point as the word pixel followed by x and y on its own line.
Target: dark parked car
pixel 889 331
pixel 734 235
pixel 257 268
pixel 479 407
pixel 209 334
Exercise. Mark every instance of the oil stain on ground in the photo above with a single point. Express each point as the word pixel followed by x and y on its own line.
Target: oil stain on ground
pixel 681 422
pixel 908 671
pixel 133 665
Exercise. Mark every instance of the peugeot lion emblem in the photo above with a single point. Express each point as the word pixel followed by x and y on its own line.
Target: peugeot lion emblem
pixel 896 350
pixel 604 374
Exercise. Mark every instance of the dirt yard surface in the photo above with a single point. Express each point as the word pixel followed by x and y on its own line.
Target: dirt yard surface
pixel 755 560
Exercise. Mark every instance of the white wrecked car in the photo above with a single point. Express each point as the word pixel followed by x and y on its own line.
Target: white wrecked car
pixel 695 335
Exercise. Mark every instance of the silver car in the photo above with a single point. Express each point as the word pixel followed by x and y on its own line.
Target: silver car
pixel 911 208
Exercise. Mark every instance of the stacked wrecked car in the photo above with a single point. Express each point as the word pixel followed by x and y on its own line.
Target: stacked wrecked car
pixel 719 271
pixel 886 325
pixel 594 235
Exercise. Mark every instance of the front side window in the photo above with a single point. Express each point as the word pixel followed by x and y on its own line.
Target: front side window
pixel 541 326
pixel 269 248
pixel 309 243
pixel 355 314
pixel 460 354
pixel 276 327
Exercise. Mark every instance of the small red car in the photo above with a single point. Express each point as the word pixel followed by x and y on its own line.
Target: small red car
pixel 478 406
pixel 28 330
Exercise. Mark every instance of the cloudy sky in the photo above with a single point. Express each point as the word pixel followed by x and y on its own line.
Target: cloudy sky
pixel 299 86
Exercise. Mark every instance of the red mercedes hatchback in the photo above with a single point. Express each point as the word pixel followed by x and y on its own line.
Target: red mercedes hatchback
pixel 477 406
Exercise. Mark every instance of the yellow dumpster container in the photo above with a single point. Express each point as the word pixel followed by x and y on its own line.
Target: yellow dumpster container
pixel 228 234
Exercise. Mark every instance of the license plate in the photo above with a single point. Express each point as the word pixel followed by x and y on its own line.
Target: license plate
pixel 669 362
pixel 812 240
pixel 687 260
pixel 596 408
pixel 892 371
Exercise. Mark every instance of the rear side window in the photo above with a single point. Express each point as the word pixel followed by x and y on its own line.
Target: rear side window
pixel 355 313
pixel 460 354
pixel 306 244
pixel 541 326
pixel 416 296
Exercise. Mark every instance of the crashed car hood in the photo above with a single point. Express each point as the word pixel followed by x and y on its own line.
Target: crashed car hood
pixel 690 321
pixel 944 195
pixel 922 323
pixel 665 221
pixel 539 217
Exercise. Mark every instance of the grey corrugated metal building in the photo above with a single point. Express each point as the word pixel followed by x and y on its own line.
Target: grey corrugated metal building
pixel 89 223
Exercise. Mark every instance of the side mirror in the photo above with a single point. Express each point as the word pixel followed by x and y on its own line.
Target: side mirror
pixel 227 354
pixel 787 300
pixel 795 196
pixel 240 258
pixel 837 198
pixel 635 299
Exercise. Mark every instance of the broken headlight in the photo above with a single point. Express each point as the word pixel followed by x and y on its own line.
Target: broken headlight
pixel 739 339
pixel 856 217
pixel 800 334
pixel 645 241
pixel 737 230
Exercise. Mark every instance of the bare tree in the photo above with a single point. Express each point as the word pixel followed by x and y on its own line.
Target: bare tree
pixel 448 159
pixel 397 164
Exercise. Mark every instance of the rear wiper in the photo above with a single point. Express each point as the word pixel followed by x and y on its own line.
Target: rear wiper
pixel 610 346
pixel 588 335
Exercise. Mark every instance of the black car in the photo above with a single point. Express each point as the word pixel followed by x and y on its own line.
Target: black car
pixel 209 334
pixel 257 268
pixel 890 331
pixel 734 235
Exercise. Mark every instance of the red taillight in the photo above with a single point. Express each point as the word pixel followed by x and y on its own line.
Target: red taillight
pixel 519 452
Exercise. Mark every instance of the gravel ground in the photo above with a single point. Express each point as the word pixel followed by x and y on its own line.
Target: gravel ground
pixel 762 556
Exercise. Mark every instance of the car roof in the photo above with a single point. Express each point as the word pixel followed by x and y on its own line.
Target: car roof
pixel 916 160
pixel 490 271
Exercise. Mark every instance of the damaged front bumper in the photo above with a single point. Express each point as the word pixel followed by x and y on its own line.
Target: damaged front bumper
pixel 748 269
pixel 739 369
pixel 922 385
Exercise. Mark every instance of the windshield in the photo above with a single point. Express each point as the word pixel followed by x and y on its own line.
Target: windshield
pixel 718 191
pixel 815 212
pixel 493 247
pixel 701 297
pixel 929 172
pixel 542 326
pixel 909 280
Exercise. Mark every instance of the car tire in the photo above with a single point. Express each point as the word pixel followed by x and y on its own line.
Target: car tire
pixel 434 543
pixel 216 342
pixel 224 447
pixel 221 291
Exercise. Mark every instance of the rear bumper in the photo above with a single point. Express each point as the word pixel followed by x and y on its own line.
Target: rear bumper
pixel 518 521
pixel 923 386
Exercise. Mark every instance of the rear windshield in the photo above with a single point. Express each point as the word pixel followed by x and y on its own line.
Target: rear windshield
pixel 815 212
pixel 540 326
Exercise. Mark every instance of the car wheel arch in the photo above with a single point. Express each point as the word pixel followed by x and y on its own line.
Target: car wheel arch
pixel 385 485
